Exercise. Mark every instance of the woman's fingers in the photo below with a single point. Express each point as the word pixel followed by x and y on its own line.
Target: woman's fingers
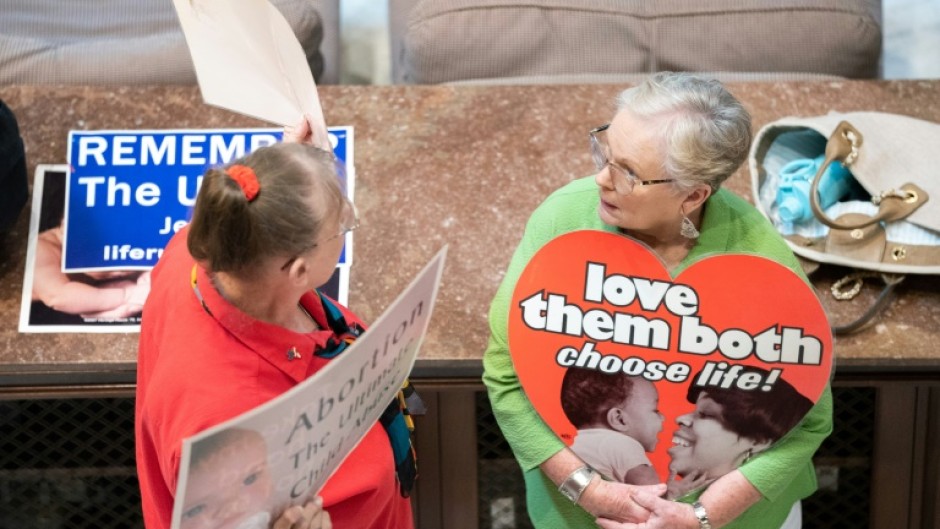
pixel 299 133
pixel 607 523
pixel 310 515
pixel 698 480
pixel 308 131
pixel 321 520
pixel 289 518
pixel 656 490
pixel 646 500
pixel 614 501
pixel 664 514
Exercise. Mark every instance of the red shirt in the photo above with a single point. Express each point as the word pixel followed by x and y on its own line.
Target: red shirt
pixel 196 370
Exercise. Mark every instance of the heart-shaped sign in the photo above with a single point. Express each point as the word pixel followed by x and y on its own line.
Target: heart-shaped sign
pixel 692 374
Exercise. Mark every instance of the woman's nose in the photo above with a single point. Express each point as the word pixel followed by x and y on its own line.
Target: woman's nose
pixel 684 420
pixel 602 178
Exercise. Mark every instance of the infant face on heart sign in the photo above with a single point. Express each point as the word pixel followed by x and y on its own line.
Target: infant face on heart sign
pixel 692 375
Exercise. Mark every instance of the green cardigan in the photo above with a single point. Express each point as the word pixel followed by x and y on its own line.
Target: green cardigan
pixel 782 474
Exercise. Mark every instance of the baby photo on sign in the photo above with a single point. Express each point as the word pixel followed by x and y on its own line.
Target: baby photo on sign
pixel 650 378
pixel 56 301
pixel 618 424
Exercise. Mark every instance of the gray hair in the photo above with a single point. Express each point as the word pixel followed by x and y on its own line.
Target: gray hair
pixel 707 132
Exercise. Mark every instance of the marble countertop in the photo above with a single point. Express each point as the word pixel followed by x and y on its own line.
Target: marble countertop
pixel 436 165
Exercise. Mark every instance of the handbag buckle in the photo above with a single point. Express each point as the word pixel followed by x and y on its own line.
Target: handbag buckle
pixel 854 142
pixel 908 196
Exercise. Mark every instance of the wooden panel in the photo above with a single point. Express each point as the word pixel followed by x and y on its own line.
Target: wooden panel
pixel 446 493
pixel 931 519
pixel 918 455
pixel 427 496
pixel 459 460
pixel 891 485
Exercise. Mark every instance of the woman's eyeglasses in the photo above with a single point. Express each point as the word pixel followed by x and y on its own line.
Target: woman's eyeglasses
pixel 349 221
pixel 624 180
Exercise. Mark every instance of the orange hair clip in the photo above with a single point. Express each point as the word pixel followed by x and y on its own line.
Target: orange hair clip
pixel 246 178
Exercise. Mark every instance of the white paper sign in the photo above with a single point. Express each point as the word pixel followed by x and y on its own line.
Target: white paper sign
pixel 248 60
pixel 296 441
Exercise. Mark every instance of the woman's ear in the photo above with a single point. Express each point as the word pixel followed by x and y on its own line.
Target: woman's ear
pixel 696 197
pixel 298 271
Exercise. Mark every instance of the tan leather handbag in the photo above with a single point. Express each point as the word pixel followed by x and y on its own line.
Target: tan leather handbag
pixel 853 190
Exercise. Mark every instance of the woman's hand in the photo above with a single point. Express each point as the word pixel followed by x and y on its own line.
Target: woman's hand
pixel 725 499
pixel 310 515
pixel 306 131
pixel 678 488
pixel 613 500
pixel 663 514
pixel 603 499
pixel 299 133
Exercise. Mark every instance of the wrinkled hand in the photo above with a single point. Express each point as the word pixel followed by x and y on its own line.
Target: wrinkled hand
pixel 613 500
pixel 306 131
pixel 664 514
pixel 310 515
pixel 679 488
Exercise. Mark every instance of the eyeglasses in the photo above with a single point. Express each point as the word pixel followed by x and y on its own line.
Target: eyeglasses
pixel 624 180
pixel 349 221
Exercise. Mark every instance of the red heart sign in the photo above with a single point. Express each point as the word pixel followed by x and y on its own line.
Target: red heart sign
pixel 698 372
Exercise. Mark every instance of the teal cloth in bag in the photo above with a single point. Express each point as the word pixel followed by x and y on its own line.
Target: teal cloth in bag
pixel 796 179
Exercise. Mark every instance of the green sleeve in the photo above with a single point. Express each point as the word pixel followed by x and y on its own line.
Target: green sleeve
pixel 532 441
pixel 772 471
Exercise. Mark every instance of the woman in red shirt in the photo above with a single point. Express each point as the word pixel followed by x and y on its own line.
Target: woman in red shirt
pixel 234 319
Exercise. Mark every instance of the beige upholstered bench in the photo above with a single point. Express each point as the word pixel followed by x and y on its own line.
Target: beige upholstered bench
pixel 605 40
pixel 133 41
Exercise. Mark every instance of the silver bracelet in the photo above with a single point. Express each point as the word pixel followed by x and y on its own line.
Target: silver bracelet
pixel 702 515
pixel 573 486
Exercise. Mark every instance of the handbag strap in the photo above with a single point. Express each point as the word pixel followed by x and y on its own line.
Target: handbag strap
pixel 893 204
pixel 854 283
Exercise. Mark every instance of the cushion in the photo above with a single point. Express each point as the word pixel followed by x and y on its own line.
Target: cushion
pixel 115 41
pixel 474 39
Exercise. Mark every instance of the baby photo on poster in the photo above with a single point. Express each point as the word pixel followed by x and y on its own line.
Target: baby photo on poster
pixel 56 301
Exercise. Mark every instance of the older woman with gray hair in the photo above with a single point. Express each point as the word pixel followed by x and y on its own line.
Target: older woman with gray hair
pixel 661 162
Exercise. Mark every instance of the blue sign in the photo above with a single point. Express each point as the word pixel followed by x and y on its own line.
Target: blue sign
pixel 128 192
